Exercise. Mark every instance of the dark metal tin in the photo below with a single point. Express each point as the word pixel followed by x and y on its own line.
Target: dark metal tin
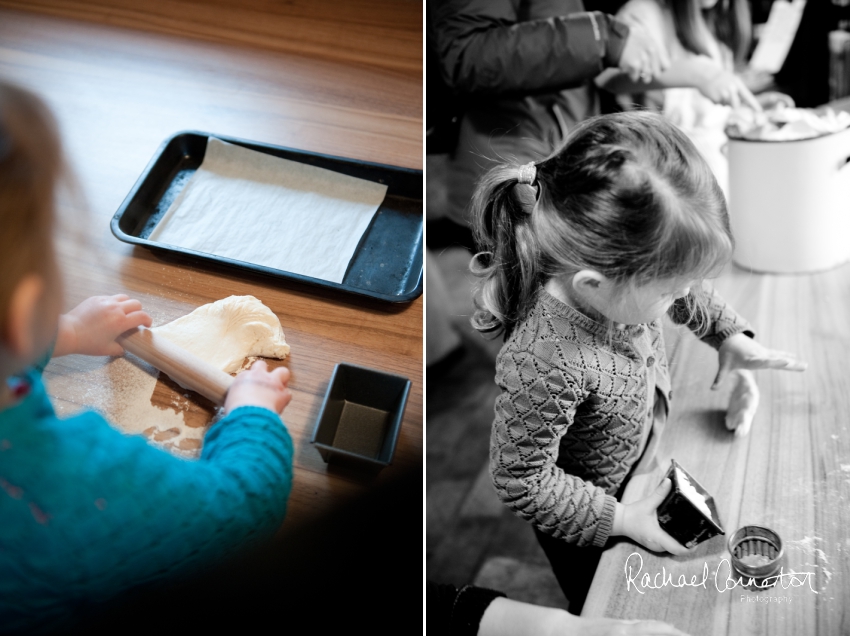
pixel 387 264
pixel 360 418
pixel 680 518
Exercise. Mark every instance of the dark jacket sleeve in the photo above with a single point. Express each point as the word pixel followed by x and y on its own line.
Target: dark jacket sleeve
pixel 484 48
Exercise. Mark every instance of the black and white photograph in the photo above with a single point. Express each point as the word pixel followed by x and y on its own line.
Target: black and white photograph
pixel 637 229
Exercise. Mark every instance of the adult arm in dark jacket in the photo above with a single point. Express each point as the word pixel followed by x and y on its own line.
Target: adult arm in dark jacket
pixel 485 48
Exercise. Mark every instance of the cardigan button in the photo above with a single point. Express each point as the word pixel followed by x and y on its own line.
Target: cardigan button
pixel 650 361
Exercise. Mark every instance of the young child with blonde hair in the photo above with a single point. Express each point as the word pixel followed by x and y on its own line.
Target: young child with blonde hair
pixel 88 512
pixel 582 255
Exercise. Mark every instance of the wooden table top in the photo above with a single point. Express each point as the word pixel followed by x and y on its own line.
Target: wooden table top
pixel 791 474
pixel 349 84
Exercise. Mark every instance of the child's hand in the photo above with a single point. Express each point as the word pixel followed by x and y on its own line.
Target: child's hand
pixel 92 326
pixel 639 522
pixel 742 352
pixel 743 403
pixel 259 387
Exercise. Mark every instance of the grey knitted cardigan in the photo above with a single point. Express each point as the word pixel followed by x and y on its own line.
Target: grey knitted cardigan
pixel 574 400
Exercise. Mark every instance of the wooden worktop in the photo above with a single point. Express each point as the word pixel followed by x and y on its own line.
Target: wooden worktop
pixel 791 474
pixel 120 82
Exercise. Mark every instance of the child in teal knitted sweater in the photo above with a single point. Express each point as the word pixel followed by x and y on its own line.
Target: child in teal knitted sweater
pixel 87 512
pixel 582 255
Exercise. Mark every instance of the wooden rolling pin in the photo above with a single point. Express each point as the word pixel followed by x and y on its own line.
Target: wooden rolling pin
pixel 185 368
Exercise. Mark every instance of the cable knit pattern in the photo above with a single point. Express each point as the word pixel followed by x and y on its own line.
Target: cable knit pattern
pixel 571 413
pixel 89 512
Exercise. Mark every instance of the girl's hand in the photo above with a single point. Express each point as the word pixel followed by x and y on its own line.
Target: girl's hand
pixel 260 387
pixel 639 522
pixel 724 87
pixel 743 403
pixel 92 326
pixel 742 352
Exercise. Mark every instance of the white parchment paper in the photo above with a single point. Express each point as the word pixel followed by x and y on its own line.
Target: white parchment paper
pixel 252 207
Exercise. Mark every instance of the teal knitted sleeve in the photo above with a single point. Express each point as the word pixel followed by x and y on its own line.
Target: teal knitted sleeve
pixel 89 512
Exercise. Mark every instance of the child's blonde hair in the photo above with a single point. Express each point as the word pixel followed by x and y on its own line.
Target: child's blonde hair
pixel 30 167
pixel 627 195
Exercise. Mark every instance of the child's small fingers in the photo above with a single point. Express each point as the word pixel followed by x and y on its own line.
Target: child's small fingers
pixel 743 429
pixel 672 546
pixel 285 399
pixel 663 488
pixel 120 297
pixel 793 363
pixel 661 542
pixel 281 373
pixel 740 421
pixel 259 365
pixel 130 305
pixel 722 371
pixel 782 362
pixel 137 319
pixel 114 349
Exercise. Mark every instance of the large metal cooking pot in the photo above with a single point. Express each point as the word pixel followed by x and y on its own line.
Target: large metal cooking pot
pixel 789 203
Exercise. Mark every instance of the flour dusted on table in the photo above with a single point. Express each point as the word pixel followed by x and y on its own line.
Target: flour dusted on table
pixel 121 389
pixel 125 390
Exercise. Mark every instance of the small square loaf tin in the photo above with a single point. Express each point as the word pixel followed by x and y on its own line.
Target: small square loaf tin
pixel 360 417
pixel 688 513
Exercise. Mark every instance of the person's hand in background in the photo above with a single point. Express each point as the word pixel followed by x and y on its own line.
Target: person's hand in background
pixel 643 57
pixel 724 87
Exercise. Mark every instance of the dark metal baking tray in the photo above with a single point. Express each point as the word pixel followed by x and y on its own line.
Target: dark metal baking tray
pixel 387 264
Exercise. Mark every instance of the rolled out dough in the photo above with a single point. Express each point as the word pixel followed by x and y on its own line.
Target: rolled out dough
pixel 227 331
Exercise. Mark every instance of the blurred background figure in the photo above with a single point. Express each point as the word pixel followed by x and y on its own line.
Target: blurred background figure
pixel 705 40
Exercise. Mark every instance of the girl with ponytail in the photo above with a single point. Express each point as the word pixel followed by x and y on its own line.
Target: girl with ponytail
pixel 581 256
